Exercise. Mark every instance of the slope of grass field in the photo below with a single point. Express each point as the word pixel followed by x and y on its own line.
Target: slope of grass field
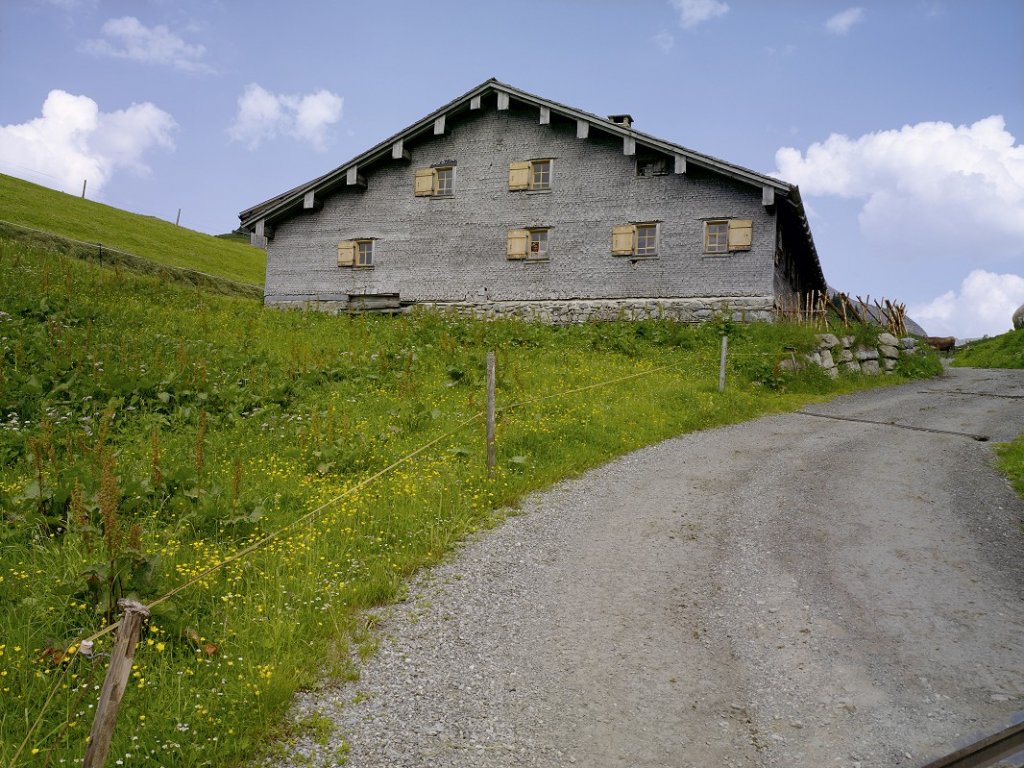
pixel 150 430
pixel 31 205
pixel 1005 351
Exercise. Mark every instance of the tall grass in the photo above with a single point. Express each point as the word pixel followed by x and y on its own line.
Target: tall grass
pixel 150 431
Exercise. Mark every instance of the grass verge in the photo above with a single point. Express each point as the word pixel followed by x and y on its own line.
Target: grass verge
pixel 150 431
pixel 1005 351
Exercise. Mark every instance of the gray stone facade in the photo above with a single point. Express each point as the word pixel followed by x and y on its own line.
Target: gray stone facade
pixel 449 251
pixel 430 250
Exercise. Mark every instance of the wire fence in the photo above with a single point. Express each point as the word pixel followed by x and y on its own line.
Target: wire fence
pixel 304 520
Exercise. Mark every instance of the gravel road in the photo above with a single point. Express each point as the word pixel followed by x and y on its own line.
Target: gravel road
pixel 793 591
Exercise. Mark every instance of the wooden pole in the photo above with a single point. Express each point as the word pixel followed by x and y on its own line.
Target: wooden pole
pixel 116 681
pixel 491 452
pixel 84 182
pixel 177 218
pixel 721 364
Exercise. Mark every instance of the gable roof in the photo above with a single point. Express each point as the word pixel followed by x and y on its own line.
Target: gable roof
pixel 283 204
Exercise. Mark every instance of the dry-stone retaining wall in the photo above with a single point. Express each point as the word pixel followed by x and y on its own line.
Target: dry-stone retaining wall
pixel 844 355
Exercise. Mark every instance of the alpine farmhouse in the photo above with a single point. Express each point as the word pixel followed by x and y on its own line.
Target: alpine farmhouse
pixel 502 203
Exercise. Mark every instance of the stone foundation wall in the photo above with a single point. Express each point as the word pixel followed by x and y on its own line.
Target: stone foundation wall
pixel 843 355
pixel 567 312
pixel 694 310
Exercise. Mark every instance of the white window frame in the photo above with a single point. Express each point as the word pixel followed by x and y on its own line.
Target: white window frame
pixel 636 242
pixel 359 262
pixel 533 174
pixel 541 255
pixel 450 170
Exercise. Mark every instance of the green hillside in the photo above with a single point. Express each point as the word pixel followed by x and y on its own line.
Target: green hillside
pixel 150 431
pixel 1005 351
pixel 31 205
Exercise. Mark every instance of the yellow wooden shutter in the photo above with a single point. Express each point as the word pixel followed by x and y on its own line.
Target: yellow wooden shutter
pixel 425 181
pixel 347 253
pixel 740 234
pixel 519 175
pixel 622 240
pixel 518 243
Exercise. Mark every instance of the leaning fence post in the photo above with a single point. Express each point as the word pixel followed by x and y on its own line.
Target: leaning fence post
pixel 721 364
pixel 491 454
pixel 115 682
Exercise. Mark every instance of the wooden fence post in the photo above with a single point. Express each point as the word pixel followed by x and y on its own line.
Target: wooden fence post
pixel 115 682
pixel 491 453
pixel 721 364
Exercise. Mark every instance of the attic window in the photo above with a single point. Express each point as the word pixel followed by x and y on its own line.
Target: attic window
pixel 532 175
pixel 727 235
pixel 648 166
pixel 435 182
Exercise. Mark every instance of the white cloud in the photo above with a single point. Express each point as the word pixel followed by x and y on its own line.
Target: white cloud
pixel 693 12
pixel 983 306
pixel 128 38
pixel 73 140
pixel 932 192
pixel 842 22
pixel 665 41
pixel 263 116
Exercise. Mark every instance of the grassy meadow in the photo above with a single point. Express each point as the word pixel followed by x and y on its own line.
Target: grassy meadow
pixel 31 205
pixel 150 430
pixel 1004 351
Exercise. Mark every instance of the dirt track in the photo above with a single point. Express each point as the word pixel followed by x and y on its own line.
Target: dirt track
pixel 795 591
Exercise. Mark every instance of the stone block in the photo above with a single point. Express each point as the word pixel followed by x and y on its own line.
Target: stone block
pixel 845 356
pixel 870 367
pixel 865 353
pixel 889 352
pixel 850 367
pixel 826 359
pixel 889 364
pixel 908 343
pixel 814 358
pixel 827 341
pixel 847 341
pixel 888 339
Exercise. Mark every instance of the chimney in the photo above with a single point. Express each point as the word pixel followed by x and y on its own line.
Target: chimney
pixel 626 121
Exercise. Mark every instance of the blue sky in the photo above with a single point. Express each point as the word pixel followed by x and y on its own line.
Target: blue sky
pixel 900 120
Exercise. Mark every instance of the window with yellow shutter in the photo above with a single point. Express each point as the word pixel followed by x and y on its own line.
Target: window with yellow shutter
pixel 437 181
pixel 355 253
pixel 637 240
pixel 528 244
pixel 532 175
pixel 728 235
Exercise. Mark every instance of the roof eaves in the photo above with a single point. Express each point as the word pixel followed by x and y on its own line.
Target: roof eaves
pixel 699 158
pixel 283 202
pixel 796 201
